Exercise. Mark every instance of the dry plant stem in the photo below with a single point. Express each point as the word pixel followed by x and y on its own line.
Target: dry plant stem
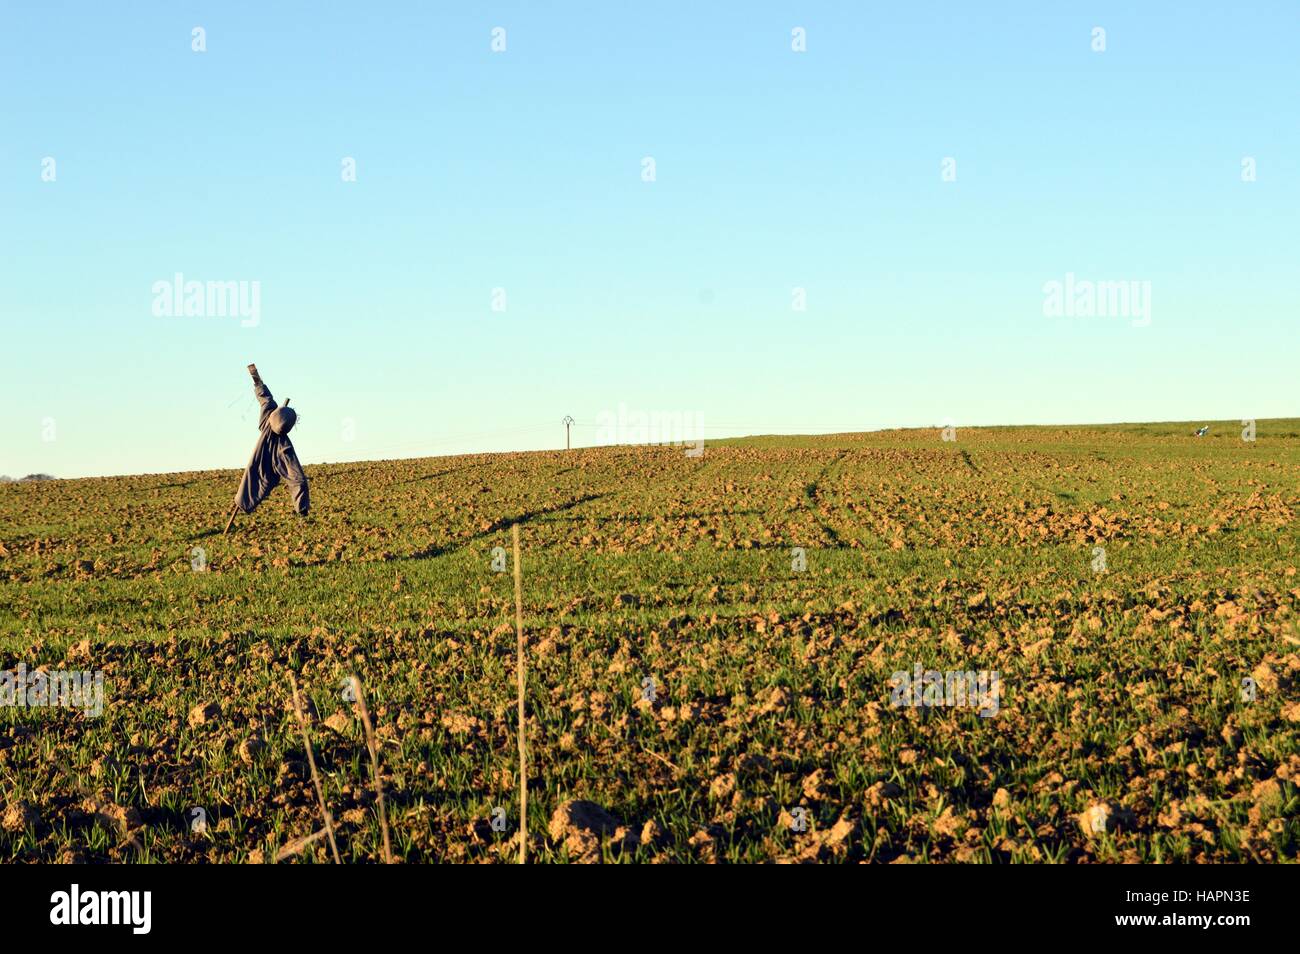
pixel 315 778
pixel 296 847
pixel 519 678
pixel 374 767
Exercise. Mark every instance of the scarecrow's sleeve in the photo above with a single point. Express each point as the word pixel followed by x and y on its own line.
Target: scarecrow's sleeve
pixel 288 467
pixel 263 396
pixel 301 499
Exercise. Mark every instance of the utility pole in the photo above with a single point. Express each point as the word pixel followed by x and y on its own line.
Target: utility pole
pixel 567 422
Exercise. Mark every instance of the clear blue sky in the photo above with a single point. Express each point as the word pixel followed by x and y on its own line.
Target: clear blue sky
pixel 522 170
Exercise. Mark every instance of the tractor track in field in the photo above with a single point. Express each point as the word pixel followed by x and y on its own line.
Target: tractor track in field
pixel 811 493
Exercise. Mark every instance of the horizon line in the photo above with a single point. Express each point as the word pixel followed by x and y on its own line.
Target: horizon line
pixel 1091 425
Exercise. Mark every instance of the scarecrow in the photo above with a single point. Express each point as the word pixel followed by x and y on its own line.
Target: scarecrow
pixel 273 457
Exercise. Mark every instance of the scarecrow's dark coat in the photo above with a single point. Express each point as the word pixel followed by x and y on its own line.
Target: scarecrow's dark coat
pixel 273 460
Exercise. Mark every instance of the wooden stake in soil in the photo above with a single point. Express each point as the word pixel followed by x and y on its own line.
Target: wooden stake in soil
pixel 233 510
pixel 374 767
pixel 519 678
pixel 311 761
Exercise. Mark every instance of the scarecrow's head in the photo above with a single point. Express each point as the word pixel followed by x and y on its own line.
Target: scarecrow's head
pixel 282 420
